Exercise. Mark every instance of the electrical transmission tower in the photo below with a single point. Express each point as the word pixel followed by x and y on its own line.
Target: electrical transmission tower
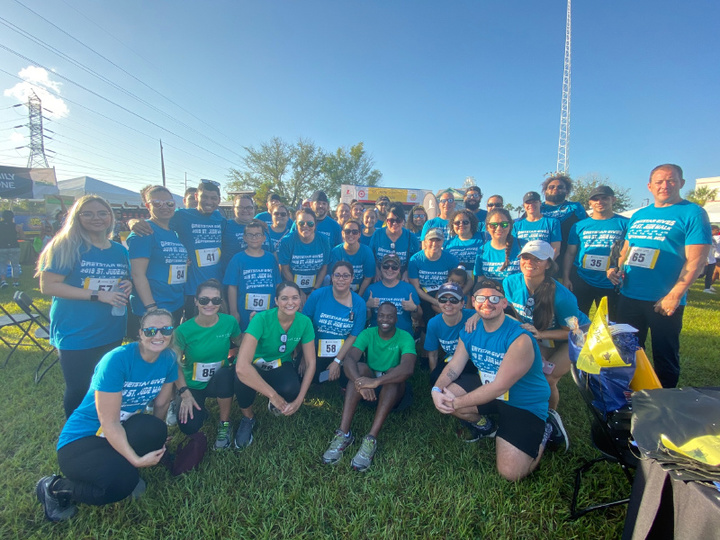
pixel 563 158
pixel 37 138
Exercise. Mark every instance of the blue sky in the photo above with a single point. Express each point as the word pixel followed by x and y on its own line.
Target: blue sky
pixel 437 91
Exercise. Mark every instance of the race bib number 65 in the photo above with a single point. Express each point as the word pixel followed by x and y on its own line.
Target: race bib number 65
pixel 642 257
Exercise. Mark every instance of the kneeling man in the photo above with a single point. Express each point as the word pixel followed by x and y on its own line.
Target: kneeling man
pixel 509 383
pixel 390 362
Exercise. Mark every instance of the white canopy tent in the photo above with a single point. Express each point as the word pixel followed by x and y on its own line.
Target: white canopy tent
pixel 77 187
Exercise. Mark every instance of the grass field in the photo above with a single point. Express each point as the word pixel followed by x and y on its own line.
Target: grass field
pixel 424 481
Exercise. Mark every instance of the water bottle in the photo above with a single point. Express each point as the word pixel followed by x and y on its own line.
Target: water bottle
pixel 118 311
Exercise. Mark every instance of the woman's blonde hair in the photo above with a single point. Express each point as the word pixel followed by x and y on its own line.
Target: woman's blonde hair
pixel 63 251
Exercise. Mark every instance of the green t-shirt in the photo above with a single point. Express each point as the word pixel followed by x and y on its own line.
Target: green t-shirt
pixel 266 328
pixel 205 349
pixel 384 354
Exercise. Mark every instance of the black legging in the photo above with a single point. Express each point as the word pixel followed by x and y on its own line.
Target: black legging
pixel 284 381
pixel 78 368
pixel 220 385
pixel 95 473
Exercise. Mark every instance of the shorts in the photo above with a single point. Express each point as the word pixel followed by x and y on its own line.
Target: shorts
pixel 519 427
pixel 404 403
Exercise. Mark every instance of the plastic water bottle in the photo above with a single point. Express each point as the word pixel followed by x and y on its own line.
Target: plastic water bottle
pixel 118 311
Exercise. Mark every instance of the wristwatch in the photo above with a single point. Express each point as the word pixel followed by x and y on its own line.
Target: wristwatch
pixel 337 361
pixel 94 296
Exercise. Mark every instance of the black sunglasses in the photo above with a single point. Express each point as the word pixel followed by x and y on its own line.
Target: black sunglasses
pixel 390 267
pixel 152 330
pixel 461 222
pixel 503 224
pixel 446 299
pixel 204 301
pixel 283 340
pixel 351 231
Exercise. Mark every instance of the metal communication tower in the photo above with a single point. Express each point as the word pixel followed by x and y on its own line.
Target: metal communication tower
pixel 37 138
pixel 563 156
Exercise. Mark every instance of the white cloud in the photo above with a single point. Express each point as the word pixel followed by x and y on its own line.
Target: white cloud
pixel 17 138
pixel 38 79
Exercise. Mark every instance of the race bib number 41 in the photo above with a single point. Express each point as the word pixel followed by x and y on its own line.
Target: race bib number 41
pixel 642 257
pixel 207 257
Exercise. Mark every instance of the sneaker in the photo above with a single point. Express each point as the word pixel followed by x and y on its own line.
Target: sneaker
pixel 54 509
pixel 485 428
pixel 244 436
pixel 547 434
pixel 559 437
pixel 709 291
pixel 3 284
pixel 711 288
pixel 363 459
pixel 274 410
pixel 139 490
pixel 337 446
pixel 16 284
pixel 171 417
pixel 224 436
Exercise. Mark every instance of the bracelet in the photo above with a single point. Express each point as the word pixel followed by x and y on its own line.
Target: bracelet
pixel 151 305
pixel 181 390
pixel 436 389
pixel 337 361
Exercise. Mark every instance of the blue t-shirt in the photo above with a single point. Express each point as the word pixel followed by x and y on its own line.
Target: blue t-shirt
pixel 546 229
pixel 233 241
pixel 166 271
pixel 431 274
pixel 327 227
pixel 481 215
pixel 657 238
pixel 304 260
pixel 404 247
pixel 267 218
pixel 594 239
pixel 489 261
pixel 365 240
pixel 465 250
pixel 565 304
pixel 202 237
pixel 487 349
pixel 333 320
pixel 563 211
pixel 363 263
pixel 401 291
pixel 435 223
pixel 441 336
pixel 120 370
pixel 275 237
pixel 255 279
pixel 76 325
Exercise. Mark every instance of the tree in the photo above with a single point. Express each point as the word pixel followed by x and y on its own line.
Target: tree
pixel 353 166
pixel 584 185
pixel 701 195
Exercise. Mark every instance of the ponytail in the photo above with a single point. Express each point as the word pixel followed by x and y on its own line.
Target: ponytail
pixel 544 309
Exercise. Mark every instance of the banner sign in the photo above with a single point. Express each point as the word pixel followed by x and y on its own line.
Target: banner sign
pixel 370 194
pixel 23 183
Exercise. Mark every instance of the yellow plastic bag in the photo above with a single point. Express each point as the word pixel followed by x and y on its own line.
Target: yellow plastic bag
pixel 599 351
pixel 705 449
pixel 645 377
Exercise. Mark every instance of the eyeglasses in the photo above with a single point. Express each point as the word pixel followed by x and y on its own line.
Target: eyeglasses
pixel 446 201
pixel 102 214
pixel 253 235
pixel 495 205
pixel 446 299
pixel 310 224
pixel 461 222
pixel 160 204
pixel 393 221
pixel 351 231
pixel 246 208
pixel 211 182
pixel 150 331
pixel 387 266
pixel 204 300
pixel 342 276
pixel 494 299
pixel 503 224
pixel 280 214
pixel 283 343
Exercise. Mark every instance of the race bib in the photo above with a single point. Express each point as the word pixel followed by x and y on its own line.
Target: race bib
pixel 263 364
pixel 100 284
pixel 207 257
pixel 329 347
pixel 598 263
pixel 431 288
pixel 124 415
pixel 642 257
pixel 490 377
pixel 304 282
pixel 203 372
pixel 178 274
pixel 257 302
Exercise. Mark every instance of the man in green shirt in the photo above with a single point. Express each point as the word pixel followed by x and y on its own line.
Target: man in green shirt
pixel 390 362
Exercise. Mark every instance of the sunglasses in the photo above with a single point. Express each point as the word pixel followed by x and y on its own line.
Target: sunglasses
pixel 446 201
pixel 351 231
pixel 102 214
pixel 204 301
pixel 280 214
pixel 152 330
pixel 393 221
pixel 494 299
pixel 461 222
pixel 310 224
pixel 283 340
pixel 160 204
pixel 390 267
pixel 495 205
pixel 503 224
pixel 446 299
pixel 419 216
pixel 472 195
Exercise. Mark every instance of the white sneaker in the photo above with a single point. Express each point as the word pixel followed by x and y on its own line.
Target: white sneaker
pixel 709 291
pixel 171 417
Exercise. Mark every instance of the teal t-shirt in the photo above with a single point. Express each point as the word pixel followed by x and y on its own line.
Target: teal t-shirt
pixel 265 327
pixel 384 354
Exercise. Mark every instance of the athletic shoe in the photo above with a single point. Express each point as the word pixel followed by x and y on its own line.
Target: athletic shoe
pixel 709 291
pixel 337 446
pixel 273 409
pixel 244 436
pixel 363 459
pixel 139 490
pixel 224 436
pixel 16 284
pixel 3 284
pixel 54 509
pixel 559 436
pixel 485 428
pixel 171 417
pixel 711 288
pixel 547 434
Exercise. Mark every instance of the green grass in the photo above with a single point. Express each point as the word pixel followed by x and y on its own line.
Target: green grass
pixel 424 481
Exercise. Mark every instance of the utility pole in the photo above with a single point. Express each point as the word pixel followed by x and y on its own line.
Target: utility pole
pixel 37 138
pixel 563 159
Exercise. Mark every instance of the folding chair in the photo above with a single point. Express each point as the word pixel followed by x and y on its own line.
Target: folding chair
pixel 9 321
pixel 39 319
pixel 610 435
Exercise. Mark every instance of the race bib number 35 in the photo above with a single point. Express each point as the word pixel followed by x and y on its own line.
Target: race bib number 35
pixel 642 257
pixel 598 263
pixel 204 372
pixel 207 257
